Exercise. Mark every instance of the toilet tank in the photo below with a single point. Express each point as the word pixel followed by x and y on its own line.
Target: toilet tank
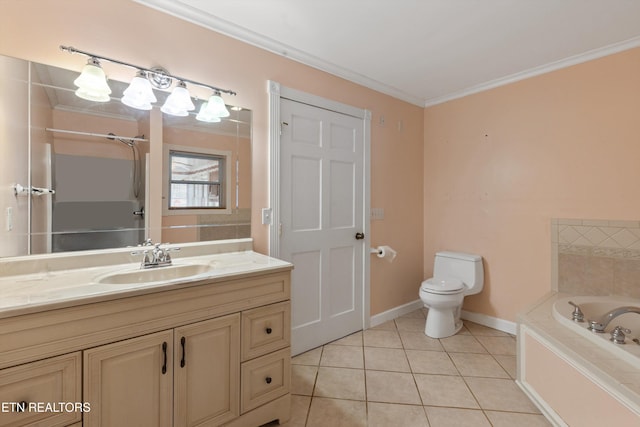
pixel 465 267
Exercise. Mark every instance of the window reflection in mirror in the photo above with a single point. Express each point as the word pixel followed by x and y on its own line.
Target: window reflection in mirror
pixel 197 181
pixel 227 180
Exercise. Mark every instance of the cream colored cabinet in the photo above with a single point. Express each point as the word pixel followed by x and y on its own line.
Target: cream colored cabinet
pixel 188 376
pixel 25 391
pixel 265 373
pixel 207 372
pixel 215 353
pixel 130 382
pixel 265 329
pixel 265 378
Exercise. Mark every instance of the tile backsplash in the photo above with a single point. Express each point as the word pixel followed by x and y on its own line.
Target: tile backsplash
pixel 596 257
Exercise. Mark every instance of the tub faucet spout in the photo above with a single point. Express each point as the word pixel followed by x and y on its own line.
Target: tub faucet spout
pixel 601 324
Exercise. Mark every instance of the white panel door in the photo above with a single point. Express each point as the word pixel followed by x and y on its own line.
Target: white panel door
pixel 321 210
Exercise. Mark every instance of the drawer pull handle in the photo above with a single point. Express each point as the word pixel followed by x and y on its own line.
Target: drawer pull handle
pixel 164 351
pixel 268 380
pixel 184 352
pixel 22 406
pixel 268 331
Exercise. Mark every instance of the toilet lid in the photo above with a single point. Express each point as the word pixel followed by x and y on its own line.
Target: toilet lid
pixel 443 286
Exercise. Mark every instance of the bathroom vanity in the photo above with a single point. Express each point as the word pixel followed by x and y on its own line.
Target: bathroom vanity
pixel 206 347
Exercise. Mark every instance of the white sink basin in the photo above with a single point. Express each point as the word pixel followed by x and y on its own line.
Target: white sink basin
pixel 157 274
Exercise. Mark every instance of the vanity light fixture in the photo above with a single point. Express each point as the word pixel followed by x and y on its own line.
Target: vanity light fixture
pixel 92 82
pixel 179 102
pixel 92 85
pixel 139 94
pixel 216 107
pixel 204 115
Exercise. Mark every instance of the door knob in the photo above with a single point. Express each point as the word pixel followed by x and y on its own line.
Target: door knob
pixel 359 236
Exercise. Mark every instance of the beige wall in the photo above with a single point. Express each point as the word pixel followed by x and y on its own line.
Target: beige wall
pixel 33 29
pixel 499 165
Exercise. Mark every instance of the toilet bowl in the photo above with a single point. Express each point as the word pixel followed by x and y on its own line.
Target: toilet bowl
pixel 456 275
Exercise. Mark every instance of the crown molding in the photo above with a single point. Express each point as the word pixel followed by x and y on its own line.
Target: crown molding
pixel 196 16
pixel 182 11
pixel 536 71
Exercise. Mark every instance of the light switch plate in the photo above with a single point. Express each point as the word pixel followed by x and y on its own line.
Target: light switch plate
pixel 377 213
pixel 266 216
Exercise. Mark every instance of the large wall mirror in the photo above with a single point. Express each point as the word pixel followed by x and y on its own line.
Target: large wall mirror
pixel 75 174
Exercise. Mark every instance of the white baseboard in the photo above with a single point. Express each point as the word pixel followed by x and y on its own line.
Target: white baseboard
pixel 398 311
pixel 490 322
pixel 481 319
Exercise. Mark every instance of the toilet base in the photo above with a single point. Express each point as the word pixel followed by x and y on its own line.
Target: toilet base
pixel 442 323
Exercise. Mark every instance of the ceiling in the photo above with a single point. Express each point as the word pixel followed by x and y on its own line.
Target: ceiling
pixel 424 51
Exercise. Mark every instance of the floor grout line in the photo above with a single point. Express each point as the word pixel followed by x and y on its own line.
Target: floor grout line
pixel 397 333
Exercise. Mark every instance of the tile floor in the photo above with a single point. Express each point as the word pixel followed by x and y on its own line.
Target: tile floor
pixel 394 375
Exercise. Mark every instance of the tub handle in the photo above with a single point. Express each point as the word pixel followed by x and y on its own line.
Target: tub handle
pixel 577 315
pixel 618 334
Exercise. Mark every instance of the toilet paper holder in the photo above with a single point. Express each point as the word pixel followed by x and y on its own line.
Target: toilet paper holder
pixel 385 252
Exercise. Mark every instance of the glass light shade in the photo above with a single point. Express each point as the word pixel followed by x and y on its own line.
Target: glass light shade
pixel 179 102
pixel 139 94
pixel 90 95
pixel 92 82
pixel 216 107
pixel 205 116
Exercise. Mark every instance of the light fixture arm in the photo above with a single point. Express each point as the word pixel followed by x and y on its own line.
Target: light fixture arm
pixel 73 50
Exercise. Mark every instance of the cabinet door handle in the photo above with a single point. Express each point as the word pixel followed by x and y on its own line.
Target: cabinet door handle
pixel 268 380
pixel 184 352
pixel 164 351
pixel 268 331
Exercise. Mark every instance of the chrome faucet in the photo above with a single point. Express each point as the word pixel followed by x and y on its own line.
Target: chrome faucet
pixel 156 257
pixel 601 324
pixel 577 315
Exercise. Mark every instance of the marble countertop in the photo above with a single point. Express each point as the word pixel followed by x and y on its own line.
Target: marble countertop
pixel 24 291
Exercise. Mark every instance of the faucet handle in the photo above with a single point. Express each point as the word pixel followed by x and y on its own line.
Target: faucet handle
pixel 166 253
pixel 145 257
pixel 618 334
pixel 577 315
pixel 147 242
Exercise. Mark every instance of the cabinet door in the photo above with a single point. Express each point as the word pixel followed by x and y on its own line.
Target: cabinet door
pixel 207 372
pixel 25 391
pixel 130 383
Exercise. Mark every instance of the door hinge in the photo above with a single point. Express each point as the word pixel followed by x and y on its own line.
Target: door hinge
pixel 282 125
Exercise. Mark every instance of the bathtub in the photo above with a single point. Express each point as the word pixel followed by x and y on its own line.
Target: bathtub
pixel 577 377
pixel 593 308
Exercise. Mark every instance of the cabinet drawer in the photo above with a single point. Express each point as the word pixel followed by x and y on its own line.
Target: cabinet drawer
pixel 265 329
pixel 34 385
pixel 265 378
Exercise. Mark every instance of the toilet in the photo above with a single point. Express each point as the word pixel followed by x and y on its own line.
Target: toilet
pixel 455 275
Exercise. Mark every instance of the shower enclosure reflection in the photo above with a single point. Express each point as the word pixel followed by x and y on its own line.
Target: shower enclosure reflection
pixel 92 155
